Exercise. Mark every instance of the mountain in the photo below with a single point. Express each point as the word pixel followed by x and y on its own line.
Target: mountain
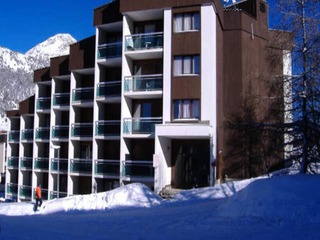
pixel 16 69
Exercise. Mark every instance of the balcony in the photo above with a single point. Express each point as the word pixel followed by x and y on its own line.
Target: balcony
pixel 13 162
pixel 81 166
pixel 61 100
pixel 140 125
pixel 12 189
pixel 110 128
pixel 41 164
pixel 14 136
pixel 110 50
pixel 60 132
pixel 25 192
pixel 42 134
pixel 83 96
pixel 141 169
pixel 59 165
pixel 109 91
pixel 82 130
pixel 26 163
pixel 27 135
pixel 43 104
pixel 54 194
pixel 144 86
pixel 107 167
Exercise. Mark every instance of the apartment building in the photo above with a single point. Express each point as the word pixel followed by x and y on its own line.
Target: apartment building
pixel 143 100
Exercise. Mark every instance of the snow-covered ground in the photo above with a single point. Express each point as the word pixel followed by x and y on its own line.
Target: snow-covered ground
pixel 284 207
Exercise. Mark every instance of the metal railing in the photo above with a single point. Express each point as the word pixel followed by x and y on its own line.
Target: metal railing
pixel 108 128
pixel 13 162
pixel 83 94
pixel 14 136
pixel 81 130
pixel 60 131
pixel 12 189
pixel 25 192
pixel 137 169
pixel 26 163
pixel 27 134
pixel 140 125
pixel 61 99
pixel 107 167
pixel 110 50
pixel 42 133
pixel 41 163
pixel 81 166
pixel 109 89
pixel 43 103
pixel 144 41
pixel 54 194
pixel 143 83
pixel 59 165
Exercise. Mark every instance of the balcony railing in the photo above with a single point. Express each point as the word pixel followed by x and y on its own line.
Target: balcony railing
pixel 25 192
pixel 54 194
pixel 109 89
pixel 107 167
pixel 43 133
pixel 26 163
pixel 57 166
pixel 44 103
pixel 143 83
pixel 110 50
pixel 108 128
pixel 12 189
pixel 13 162
pixel 140 125
pixel 60 132
pixel 82 94
pixel 61 99
pixel 81 130
pixel 41 164
pixel 81 166
pixel 137 169
pixel 144 41
pixel 27 134
pixel 14 136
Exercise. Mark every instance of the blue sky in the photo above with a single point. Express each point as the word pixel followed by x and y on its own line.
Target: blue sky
pixel 23 24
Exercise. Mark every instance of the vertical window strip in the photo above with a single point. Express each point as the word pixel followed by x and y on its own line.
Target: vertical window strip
pixel 186 22
pixel 186 109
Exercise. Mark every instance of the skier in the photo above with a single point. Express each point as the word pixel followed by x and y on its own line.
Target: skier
pixel 38 197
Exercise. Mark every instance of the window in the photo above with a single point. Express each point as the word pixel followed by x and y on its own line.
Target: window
pixel 186 22
pixel 186 65
pixel 186 109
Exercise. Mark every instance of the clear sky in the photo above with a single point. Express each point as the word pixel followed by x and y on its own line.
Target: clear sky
pixel 24 24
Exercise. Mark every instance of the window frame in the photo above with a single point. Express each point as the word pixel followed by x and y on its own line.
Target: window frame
pixel 194 67
pixel 181 105
pixel 195 23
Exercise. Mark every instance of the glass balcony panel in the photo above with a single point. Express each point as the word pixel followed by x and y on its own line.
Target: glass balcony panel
pixel 43 103
pixel 109 89
pixel 62 166
pixel 81 166
pixel 41 164
pixel 82 94
pixel 54 194
pixel 27 134
pixel 108 128
pixel 60 131
pixel 143 83
pixel 43 133
pixel 61 99
pixel 107 167
pixel 144 41
pixel 13 162
pixel 137 169
pixel 12 189
pixel 81 130
pixel 26 163
pixel 140 125
pixel 25 192
pixel 14 136
pixel 110 50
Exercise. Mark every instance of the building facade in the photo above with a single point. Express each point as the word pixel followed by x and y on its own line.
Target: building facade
pixel 143 100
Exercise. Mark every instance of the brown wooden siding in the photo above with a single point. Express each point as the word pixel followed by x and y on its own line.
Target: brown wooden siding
pixel 42 75
pixel 59 66
pixel 188 87
pixel 107 14
pixel 27 106
pixel 82 54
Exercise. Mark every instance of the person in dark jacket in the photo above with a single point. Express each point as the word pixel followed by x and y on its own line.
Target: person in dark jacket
pixel 38 197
